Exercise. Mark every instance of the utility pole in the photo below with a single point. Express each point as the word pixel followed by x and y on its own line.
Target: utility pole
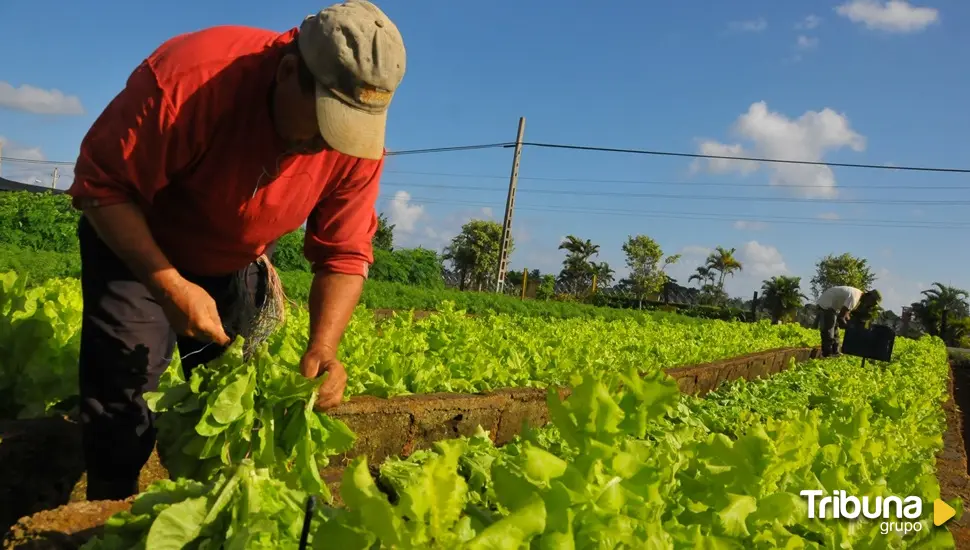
pixel 54 179
pixel 503 251
pixel 525 281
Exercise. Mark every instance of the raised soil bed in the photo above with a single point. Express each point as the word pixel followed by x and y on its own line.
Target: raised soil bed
pixel 951 461
pixel 45 456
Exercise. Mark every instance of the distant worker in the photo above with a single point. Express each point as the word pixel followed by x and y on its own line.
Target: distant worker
pixel 222 141
pixel 835 307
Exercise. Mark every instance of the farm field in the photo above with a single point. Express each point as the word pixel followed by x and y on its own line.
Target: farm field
pixel 626 460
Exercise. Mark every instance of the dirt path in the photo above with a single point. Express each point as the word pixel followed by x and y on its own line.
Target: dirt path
pixel 951 461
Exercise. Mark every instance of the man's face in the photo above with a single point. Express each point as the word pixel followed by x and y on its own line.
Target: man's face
pixel 294 108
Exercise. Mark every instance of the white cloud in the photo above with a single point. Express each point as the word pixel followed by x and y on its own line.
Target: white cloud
pixel 750 225
pixel 39 101
pixel 761 260
pixel 723 165
pixel 810 22
pixel 403 214
pixel 828 216
pixel 28 170
pixel 773 135
pixel 890 16
pixel 487 211
pixel 15 150
pixel 805 43
pixel 751 25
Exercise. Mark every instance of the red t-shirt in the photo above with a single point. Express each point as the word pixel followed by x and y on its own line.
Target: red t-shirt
pixel 191 140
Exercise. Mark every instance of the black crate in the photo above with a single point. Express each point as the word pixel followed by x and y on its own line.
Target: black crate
pixel 874 343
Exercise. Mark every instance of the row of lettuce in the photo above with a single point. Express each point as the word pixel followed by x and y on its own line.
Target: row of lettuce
pixel 450 351
pixel 628 462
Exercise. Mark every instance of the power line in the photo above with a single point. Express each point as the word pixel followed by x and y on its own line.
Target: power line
pixel 904 202
pixel 705 215
pixel 450 149
pixel 35 161
pixel 683 183
pixel 749 159
pixel 389 153
pixel 619 150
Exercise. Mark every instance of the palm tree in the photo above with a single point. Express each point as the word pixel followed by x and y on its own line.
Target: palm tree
pixel 782 296
pixel 703 275
pixel 577 272
pixel 583 249
pixel 929 311
pixel 706 278
pixel 949 298
pixel 724 263
pixel 604 273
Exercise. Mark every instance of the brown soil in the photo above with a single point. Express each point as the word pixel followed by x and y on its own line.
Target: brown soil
pixel 42 467
pixel 951 462
pixel 68 527
pixel 41 460
pixel 150 473
pixel 64 528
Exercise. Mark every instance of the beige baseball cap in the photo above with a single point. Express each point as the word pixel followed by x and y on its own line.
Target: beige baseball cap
pixel 357 56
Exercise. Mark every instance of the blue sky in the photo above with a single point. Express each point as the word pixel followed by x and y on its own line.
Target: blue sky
pixel 861 81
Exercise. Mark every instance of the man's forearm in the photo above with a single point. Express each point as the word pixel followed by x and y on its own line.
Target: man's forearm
pixel 333 297
pixel 124 229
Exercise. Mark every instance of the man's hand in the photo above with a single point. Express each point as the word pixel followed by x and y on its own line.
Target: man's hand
pixel 191 311
pixel 316 362
pixel 332 300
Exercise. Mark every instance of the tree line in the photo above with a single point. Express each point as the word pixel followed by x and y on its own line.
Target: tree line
pixel 473 255
pixel 45 225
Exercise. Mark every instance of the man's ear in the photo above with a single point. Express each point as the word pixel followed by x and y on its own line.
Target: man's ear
pixel 287 68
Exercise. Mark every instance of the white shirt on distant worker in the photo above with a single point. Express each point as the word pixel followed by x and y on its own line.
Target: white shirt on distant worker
pixel 838 297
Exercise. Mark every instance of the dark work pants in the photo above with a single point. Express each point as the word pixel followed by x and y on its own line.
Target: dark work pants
pixel 829 328
pixel 126 344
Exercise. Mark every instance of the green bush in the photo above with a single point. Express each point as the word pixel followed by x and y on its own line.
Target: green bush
pixel 629 301
pixel 547 287
pixel 39 265
pixel 288 255
pixel 411 266
pixel 38 221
